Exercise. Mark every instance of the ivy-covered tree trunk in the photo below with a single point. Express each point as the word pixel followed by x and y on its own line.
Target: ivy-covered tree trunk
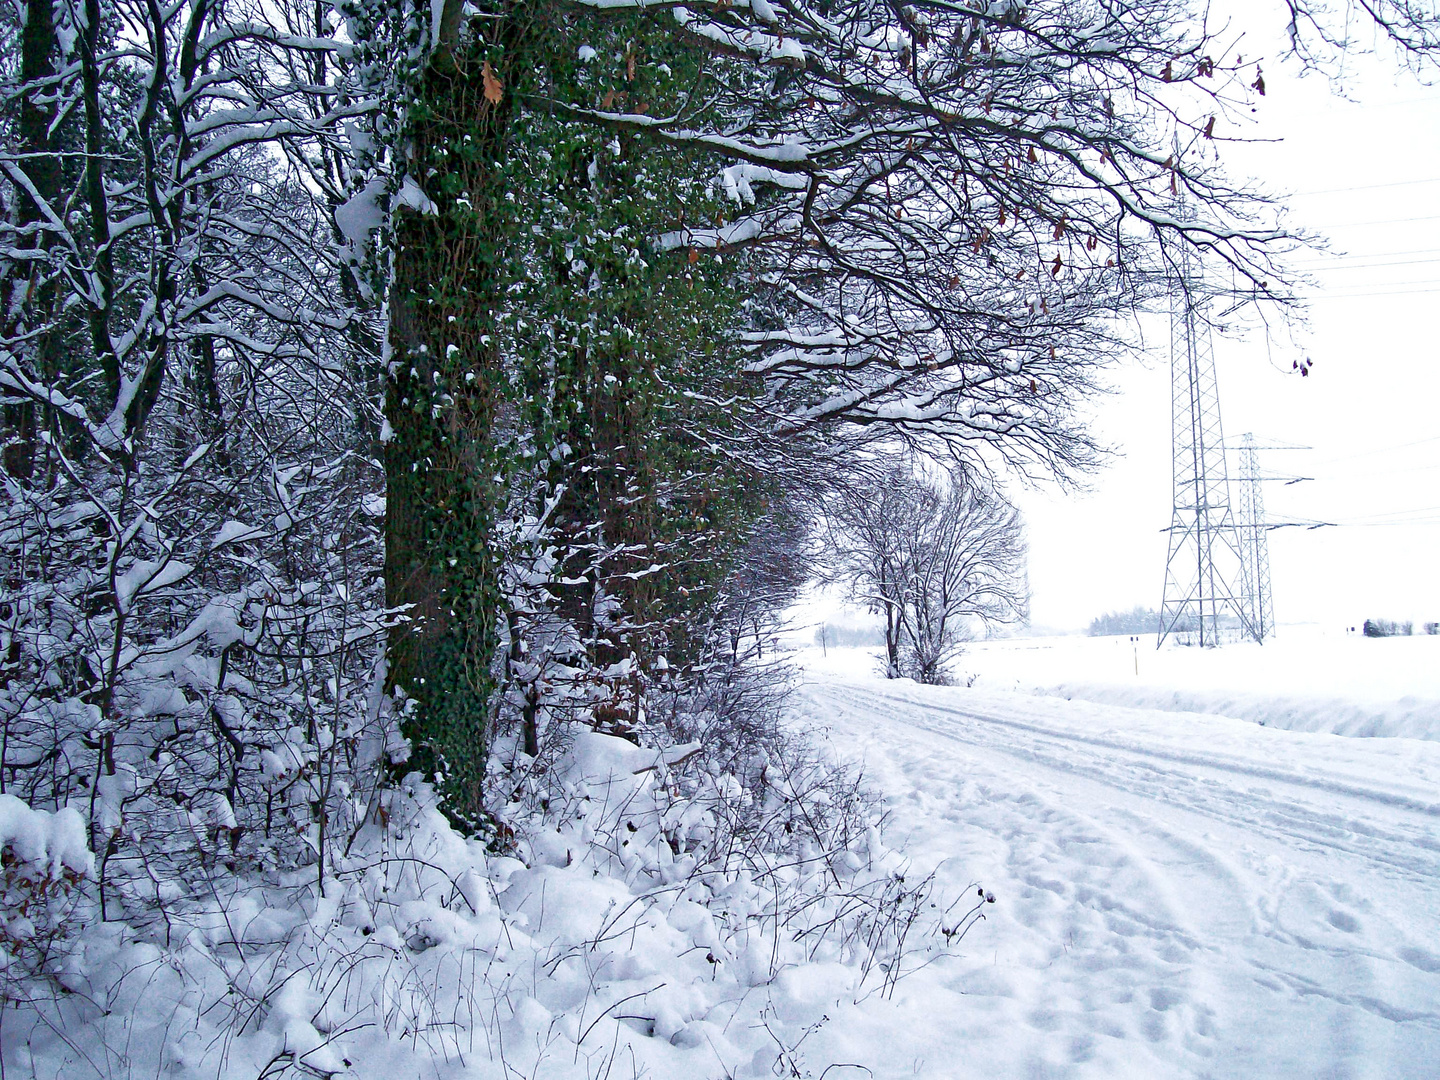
pixel 631 352
pixel 638 483
pixel 538 330
pixel 443 389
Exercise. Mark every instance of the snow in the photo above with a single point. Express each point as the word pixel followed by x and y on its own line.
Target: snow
pixel 1305 679
pixel 738 181
pixel 1175 894
pixel 48 844
pixel 606 936
pixel 361 214
pixel 764 12
pixel 148 576
pixel 411 195
pixel 234 532
pixel 437 22
pixel 762 46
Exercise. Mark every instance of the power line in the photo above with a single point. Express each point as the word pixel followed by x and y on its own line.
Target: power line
pixel 1404 523
pixel 1405 284
pixel 1387 285
pixel 1398 513
pixel 1367 187
pixel 1383 294
pixel 1370 289
pixel 1370 473
pixel 1378 450
pixel 1385 221
pixel 1351 256
pixel 1330 268
pixel 1419 522
pixel 1296 523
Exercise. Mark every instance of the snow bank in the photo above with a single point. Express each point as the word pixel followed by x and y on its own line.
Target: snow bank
pixel 1404 718
pixel 1306 679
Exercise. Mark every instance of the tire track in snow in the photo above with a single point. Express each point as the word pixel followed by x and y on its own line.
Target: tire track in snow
pixel 1227 764
pixel 1127 980
pixel 1145 769
pixel 1161 949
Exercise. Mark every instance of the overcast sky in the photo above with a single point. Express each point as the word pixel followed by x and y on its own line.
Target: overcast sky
pixel 1366 173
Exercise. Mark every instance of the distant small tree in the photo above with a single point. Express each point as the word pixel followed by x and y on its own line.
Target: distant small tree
pixel 931 559
pixel 968 565
pixel 868 523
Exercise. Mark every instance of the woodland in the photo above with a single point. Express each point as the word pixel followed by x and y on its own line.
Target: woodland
pixel 393 391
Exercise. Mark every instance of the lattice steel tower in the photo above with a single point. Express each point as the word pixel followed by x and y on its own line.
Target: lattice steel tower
pixel 1205 548
pixel 1255 542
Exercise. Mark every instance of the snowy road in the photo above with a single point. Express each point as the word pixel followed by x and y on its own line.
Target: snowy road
pixel 1178 895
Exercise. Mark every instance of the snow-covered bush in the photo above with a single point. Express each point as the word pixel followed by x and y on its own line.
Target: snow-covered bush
pixel 655 906
pixel 44 858
pixel 199 681
pixel 739 815
pixel 191 608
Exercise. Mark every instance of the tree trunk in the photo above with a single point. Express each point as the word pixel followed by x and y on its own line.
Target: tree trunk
pixel 42 168
pixel 442 392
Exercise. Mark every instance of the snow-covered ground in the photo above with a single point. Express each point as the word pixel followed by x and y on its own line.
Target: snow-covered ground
pixel 1306 679
pixel 1177 895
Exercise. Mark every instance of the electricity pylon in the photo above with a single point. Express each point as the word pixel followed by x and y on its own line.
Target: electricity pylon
pixel 1205 548
pixel 1255 542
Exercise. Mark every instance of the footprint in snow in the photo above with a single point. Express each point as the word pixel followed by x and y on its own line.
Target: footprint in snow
pixel 1421 959
pixel 1163 998
pixel 1343 920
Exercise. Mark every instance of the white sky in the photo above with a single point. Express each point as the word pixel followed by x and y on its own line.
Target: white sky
pixel 1366 173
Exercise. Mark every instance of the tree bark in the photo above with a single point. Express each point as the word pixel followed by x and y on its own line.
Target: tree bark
pixel 42 168
pixel 443 388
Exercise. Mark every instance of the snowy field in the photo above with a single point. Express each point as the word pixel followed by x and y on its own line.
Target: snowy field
pixel 1177 895
pixel 1306 679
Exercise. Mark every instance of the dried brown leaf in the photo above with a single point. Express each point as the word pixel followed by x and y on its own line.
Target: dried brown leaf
pixel 494 88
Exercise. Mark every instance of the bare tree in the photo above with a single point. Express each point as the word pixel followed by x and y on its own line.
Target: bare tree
pixel 931 559
pixel 968 565
pixel 1322 36
pixel 945 206
pixel 869 524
